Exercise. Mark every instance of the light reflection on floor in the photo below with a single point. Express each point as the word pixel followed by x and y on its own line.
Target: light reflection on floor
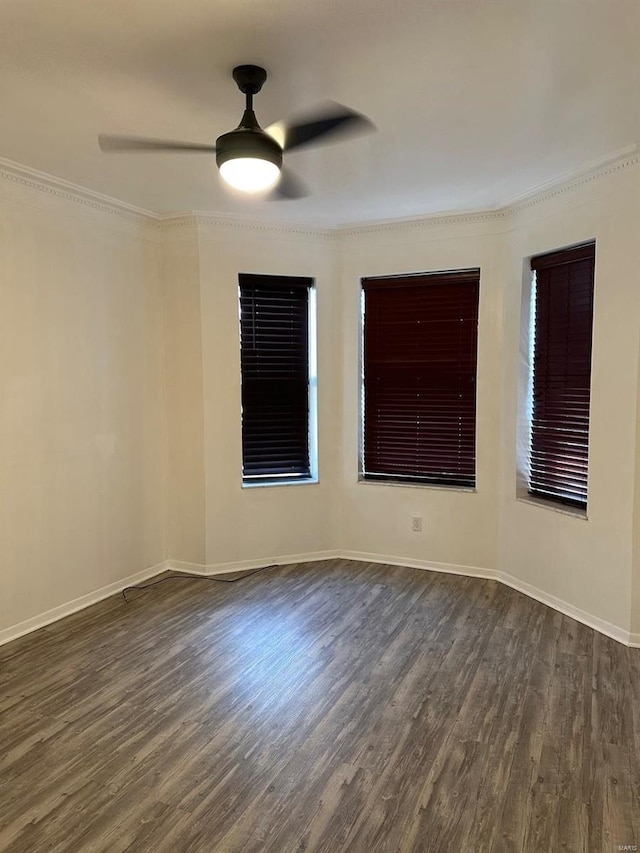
pixel 276 656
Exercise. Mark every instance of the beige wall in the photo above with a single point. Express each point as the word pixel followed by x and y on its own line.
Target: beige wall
pixel 635 591
pixel 82 438
pixel 121 442
pixel 585 563
pixel 265 522
pixel 635 578
pixel 184 401
pixel 459 527
pixel 583 566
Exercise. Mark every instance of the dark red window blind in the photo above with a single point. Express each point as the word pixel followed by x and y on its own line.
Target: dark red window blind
pixel 563 320
pixel 420 345
pixel 274 354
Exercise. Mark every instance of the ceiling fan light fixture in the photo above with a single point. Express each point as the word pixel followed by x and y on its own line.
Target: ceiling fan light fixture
pixel 250 174
pixel 249 159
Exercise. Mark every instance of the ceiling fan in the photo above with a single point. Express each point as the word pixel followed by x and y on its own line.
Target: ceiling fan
pixel 250 158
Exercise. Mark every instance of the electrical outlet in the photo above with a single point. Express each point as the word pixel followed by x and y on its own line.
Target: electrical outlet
pixel 416 523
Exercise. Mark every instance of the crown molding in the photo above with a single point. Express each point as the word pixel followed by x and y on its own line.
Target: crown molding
pixel 622 159
pixel 209 220
pixel 60 188
pixel 173 221
pixel 194 219
pixel 497 214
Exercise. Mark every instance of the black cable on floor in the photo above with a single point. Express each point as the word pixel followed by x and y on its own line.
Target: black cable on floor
pixel 180 576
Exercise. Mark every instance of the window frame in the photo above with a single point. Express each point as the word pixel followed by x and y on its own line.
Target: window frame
pixel 426 482
pixel 275 479
pixel 524 491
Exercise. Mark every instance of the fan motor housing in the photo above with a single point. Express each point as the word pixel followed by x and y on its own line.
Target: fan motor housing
pixel 247 142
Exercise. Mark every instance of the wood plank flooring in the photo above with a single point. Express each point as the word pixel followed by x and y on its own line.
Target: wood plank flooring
pixel 332 707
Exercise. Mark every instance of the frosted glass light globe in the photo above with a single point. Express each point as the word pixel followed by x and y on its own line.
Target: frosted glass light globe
pixel 250 174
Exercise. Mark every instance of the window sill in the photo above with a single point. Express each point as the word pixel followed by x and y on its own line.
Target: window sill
pixel 434 486
pixel 563 509
pixel 263 484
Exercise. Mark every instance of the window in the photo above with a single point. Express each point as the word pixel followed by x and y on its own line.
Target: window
pixel 277 350
pixel 561 374
pixel 419 383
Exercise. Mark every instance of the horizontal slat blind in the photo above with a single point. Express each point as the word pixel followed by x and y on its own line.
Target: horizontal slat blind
pixel 274 338
pixel 420 343
pixel 559 452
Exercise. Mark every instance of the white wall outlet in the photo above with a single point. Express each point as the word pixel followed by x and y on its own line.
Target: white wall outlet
pixel 416 523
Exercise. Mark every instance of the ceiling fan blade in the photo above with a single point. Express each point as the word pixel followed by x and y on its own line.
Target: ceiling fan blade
pixel 316 129
pixel 109 143
pixel 288 187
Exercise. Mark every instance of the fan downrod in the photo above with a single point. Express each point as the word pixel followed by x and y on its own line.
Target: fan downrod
pixel 249 78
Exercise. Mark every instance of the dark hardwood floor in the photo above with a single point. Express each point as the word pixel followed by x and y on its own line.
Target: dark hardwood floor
pixel 328 707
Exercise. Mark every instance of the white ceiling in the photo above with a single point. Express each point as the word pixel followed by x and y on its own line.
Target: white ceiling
pixel 476 101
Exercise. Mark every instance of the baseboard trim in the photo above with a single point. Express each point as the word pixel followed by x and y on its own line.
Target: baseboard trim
pixel 56 613
pixel 595 622
pixel 634 641
pixel 246 565
pixel 206 570
pixel 425 565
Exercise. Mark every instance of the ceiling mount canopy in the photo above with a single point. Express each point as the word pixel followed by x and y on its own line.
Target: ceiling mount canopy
pixel 250 158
